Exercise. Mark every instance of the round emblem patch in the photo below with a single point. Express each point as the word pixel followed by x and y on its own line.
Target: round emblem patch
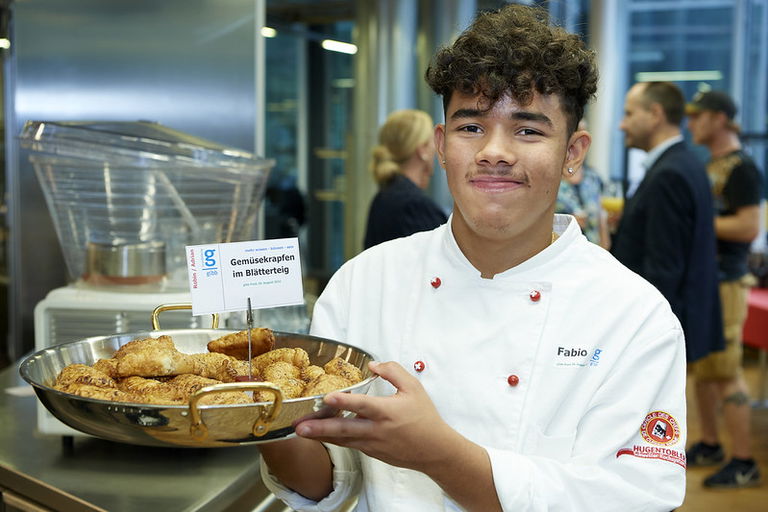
pixel 660 428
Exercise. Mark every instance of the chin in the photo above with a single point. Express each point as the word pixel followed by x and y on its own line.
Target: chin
pixel 493 227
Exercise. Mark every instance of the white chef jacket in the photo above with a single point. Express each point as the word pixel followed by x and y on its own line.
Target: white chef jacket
pixel 597 418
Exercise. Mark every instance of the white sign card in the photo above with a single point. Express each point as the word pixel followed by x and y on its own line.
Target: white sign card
pixel 223 276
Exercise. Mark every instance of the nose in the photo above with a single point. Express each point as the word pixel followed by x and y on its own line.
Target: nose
pixel 622 124
pixel 497 149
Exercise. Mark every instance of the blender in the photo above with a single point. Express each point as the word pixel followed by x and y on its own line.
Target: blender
pixel 125 199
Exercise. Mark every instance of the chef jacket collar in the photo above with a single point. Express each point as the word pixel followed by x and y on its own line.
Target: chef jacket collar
pixel 565 226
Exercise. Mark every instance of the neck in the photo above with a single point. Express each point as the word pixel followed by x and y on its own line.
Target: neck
pixel 494 255
pixel 664 133
pixel 723 143
pixel 414 170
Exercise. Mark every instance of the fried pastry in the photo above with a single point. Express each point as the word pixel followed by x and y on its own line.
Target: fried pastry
pixel 280 370
pixel 81 374
pixel 189 384
pixel 100 393
pixel 226 398
pixel 150 391
pixel 153 371
pixel 107 366
pixel 296 356
pixel 143 344
pixel 241 370
pixel 236 344
pixel 154 360
pixel 290 387
pixel 340 367
pixel 311 372
pixel 325 384
pixel 215 366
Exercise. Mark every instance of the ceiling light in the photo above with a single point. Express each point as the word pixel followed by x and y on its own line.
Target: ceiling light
pixel 338 46
pixel 268 32
pixel 678 76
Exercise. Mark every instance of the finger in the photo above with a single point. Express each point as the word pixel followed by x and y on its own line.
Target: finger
pixel 395 374
pixel 335 430
pixel 362 405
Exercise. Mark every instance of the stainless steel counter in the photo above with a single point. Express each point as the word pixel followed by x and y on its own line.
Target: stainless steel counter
pixel 92 474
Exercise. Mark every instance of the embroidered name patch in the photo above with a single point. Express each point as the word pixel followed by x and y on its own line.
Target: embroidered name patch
pixel 655 452
pixel 660 428
pixel 576 357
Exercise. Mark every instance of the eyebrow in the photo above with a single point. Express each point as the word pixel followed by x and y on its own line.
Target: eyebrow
pixel 523 115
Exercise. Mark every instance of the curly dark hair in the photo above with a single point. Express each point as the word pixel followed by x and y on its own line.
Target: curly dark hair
pixel 514 50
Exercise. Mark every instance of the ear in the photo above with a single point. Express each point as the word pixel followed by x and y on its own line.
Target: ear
pixel 721 120
pixel 578 145
pixel 423 151
pixel 657 111
pixel 440 143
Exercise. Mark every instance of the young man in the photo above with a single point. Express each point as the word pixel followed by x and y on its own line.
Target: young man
pixel 737 190
pixel 527 369
pixel 666 233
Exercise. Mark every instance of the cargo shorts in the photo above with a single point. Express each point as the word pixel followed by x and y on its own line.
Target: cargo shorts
pixel 726 364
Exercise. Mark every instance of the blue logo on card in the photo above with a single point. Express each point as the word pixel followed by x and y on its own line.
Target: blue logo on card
pixel 209 259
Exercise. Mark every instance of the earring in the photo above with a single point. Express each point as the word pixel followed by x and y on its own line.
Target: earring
pixel 443 161
pixel 570 170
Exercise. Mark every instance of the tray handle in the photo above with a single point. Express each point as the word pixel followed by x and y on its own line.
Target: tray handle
pixel 174 307
pixel 267 413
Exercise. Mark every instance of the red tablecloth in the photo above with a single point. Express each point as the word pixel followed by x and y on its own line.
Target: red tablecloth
pixel 756 327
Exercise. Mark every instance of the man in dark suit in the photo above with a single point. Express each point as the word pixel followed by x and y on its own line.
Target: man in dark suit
pixel 666 232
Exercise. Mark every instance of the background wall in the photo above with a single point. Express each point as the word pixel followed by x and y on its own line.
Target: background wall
pixel 189 64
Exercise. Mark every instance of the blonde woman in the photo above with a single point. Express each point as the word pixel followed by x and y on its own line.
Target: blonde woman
pixel 402 165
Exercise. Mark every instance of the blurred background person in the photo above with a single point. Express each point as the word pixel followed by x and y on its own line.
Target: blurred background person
pixel 666 233
pixel 579 195
pixel 402 165
pixel 285 209
pixel 737 191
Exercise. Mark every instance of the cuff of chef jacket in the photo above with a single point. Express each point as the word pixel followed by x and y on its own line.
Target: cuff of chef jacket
pixel 511 479
pixel 346 481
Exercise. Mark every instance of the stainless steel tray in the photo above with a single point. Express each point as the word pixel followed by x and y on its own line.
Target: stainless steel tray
pixel 189 425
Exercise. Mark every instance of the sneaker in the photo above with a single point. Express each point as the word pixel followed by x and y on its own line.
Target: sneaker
pixel 735 474
pixel 701 454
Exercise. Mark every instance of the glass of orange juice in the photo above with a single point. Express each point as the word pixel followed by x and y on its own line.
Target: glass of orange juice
pixel 612 200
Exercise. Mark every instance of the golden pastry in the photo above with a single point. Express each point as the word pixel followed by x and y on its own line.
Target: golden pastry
pixel 236 344
pixel 81 374
pixel 340 367
pixel 296 356
pixel 325 384
pixel 311 372
pixel 150 391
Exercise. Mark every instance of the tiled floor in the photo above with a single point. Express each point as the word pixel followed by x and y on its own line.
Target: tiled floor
pixel 700 499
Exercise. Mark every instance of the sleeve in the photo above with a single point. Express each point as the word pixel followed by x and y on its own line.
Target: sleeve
pixel 669 226
pixel 346 483
pixel 744 187
pixel 327 322
pixel 628 452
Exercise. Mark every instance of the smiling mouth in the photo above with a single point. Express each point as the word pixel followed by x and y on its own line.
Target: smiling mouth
pixel 498 182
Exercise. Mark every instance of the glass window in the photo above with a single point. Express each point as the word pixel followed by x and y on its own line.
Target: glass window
pixel 703 45
pixel 308 119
